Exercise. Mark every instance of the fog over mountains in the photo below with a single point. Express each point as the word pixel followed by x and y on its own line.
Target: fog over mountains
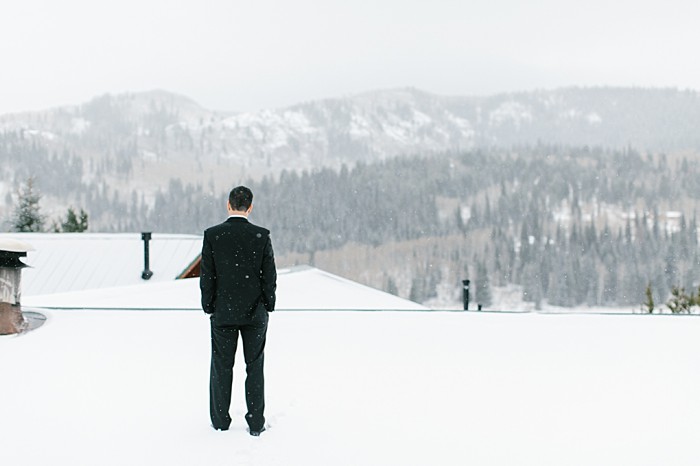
pixel 368 127
pixel 140 141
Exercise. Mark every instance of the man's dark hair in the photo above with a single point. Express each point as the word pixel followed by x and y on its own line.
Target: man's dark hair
pixel 240 198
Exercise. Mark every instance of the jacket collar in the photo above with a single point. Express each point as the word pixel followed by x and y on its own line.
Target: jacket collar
pixel 236 220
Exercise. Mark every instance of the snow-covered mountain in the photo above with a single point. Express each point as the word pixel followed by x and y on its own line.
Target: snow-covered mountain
pixel 365 127
pixel 127 147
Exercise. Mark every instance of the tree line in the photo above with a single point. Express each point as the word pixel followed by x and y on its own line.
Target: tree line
pixel 570 225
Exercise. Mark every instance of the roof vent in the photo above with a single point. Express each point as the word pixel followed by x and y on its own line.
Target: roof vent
pixel 11 320
pixel 147 273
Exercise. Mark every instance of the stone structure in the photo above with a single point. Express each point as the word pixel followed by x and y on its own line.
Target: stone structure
pixel 11 320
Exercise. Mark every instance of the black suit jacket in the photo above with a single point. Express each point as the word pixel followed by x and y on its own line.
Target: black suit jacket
pixel 238 278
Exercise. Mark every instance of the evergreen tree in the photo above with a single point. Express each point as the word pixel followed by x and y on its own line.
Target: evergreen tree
pixel 648 305
pixel 587 282
pixel 630 286
pixel 74 223
pixel 417 293
pixel 391 286
pixel 27 215
pixel 562 288
pixel 680 302
pixel 671 265
pixel 610 285
pixel 433 277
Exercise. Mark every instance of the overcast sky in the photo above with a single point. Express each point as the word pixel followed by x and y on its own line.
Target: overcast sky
pixel 247 55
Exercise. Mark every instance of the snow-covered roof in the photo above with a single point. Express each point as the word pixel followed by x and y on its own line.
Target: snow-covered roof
pixel 356 388
pixel 297 288
pixel 64 262
pixel 12 245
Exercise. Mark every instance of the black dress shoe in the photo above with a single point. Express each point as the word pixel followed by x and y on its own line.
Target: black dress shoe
pixel 220 428
pixel 256 433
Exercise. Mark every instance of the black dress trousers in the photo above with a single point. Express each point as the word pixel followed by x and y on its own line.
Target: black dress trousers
pixel 224 340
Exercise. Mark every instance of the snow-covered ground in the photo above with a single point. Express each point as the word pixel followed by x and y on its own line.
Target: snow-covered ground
pixel 358 388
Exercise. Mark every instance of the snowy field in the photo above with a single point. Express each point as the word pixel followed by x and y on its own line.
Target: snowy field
pixel 358 388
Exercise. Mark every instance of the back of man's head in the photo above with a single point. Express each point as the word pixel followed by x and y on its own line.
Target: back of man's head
pixel 240 198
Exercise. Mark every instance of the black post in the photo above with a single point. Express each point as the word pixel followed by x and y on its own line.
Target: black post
pixel 465 289
pixel 146 274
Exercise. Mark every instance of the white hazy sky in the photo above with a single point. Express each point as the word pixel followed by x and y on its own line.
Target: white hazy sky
pixel 247 55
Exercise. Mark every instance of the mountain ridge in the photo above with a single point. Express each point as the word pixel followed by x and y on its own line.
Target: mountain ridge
pixel 384 123
pixel 139 142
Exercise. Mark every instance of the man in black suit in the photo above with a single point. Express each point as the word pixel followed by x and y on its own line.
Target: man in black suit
pixel 238 283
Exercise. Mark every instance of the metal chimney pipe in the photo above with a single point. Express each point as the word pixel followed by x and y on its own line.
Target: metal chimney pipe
pixel 147 273
pixel 465 294
pixel 11 319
